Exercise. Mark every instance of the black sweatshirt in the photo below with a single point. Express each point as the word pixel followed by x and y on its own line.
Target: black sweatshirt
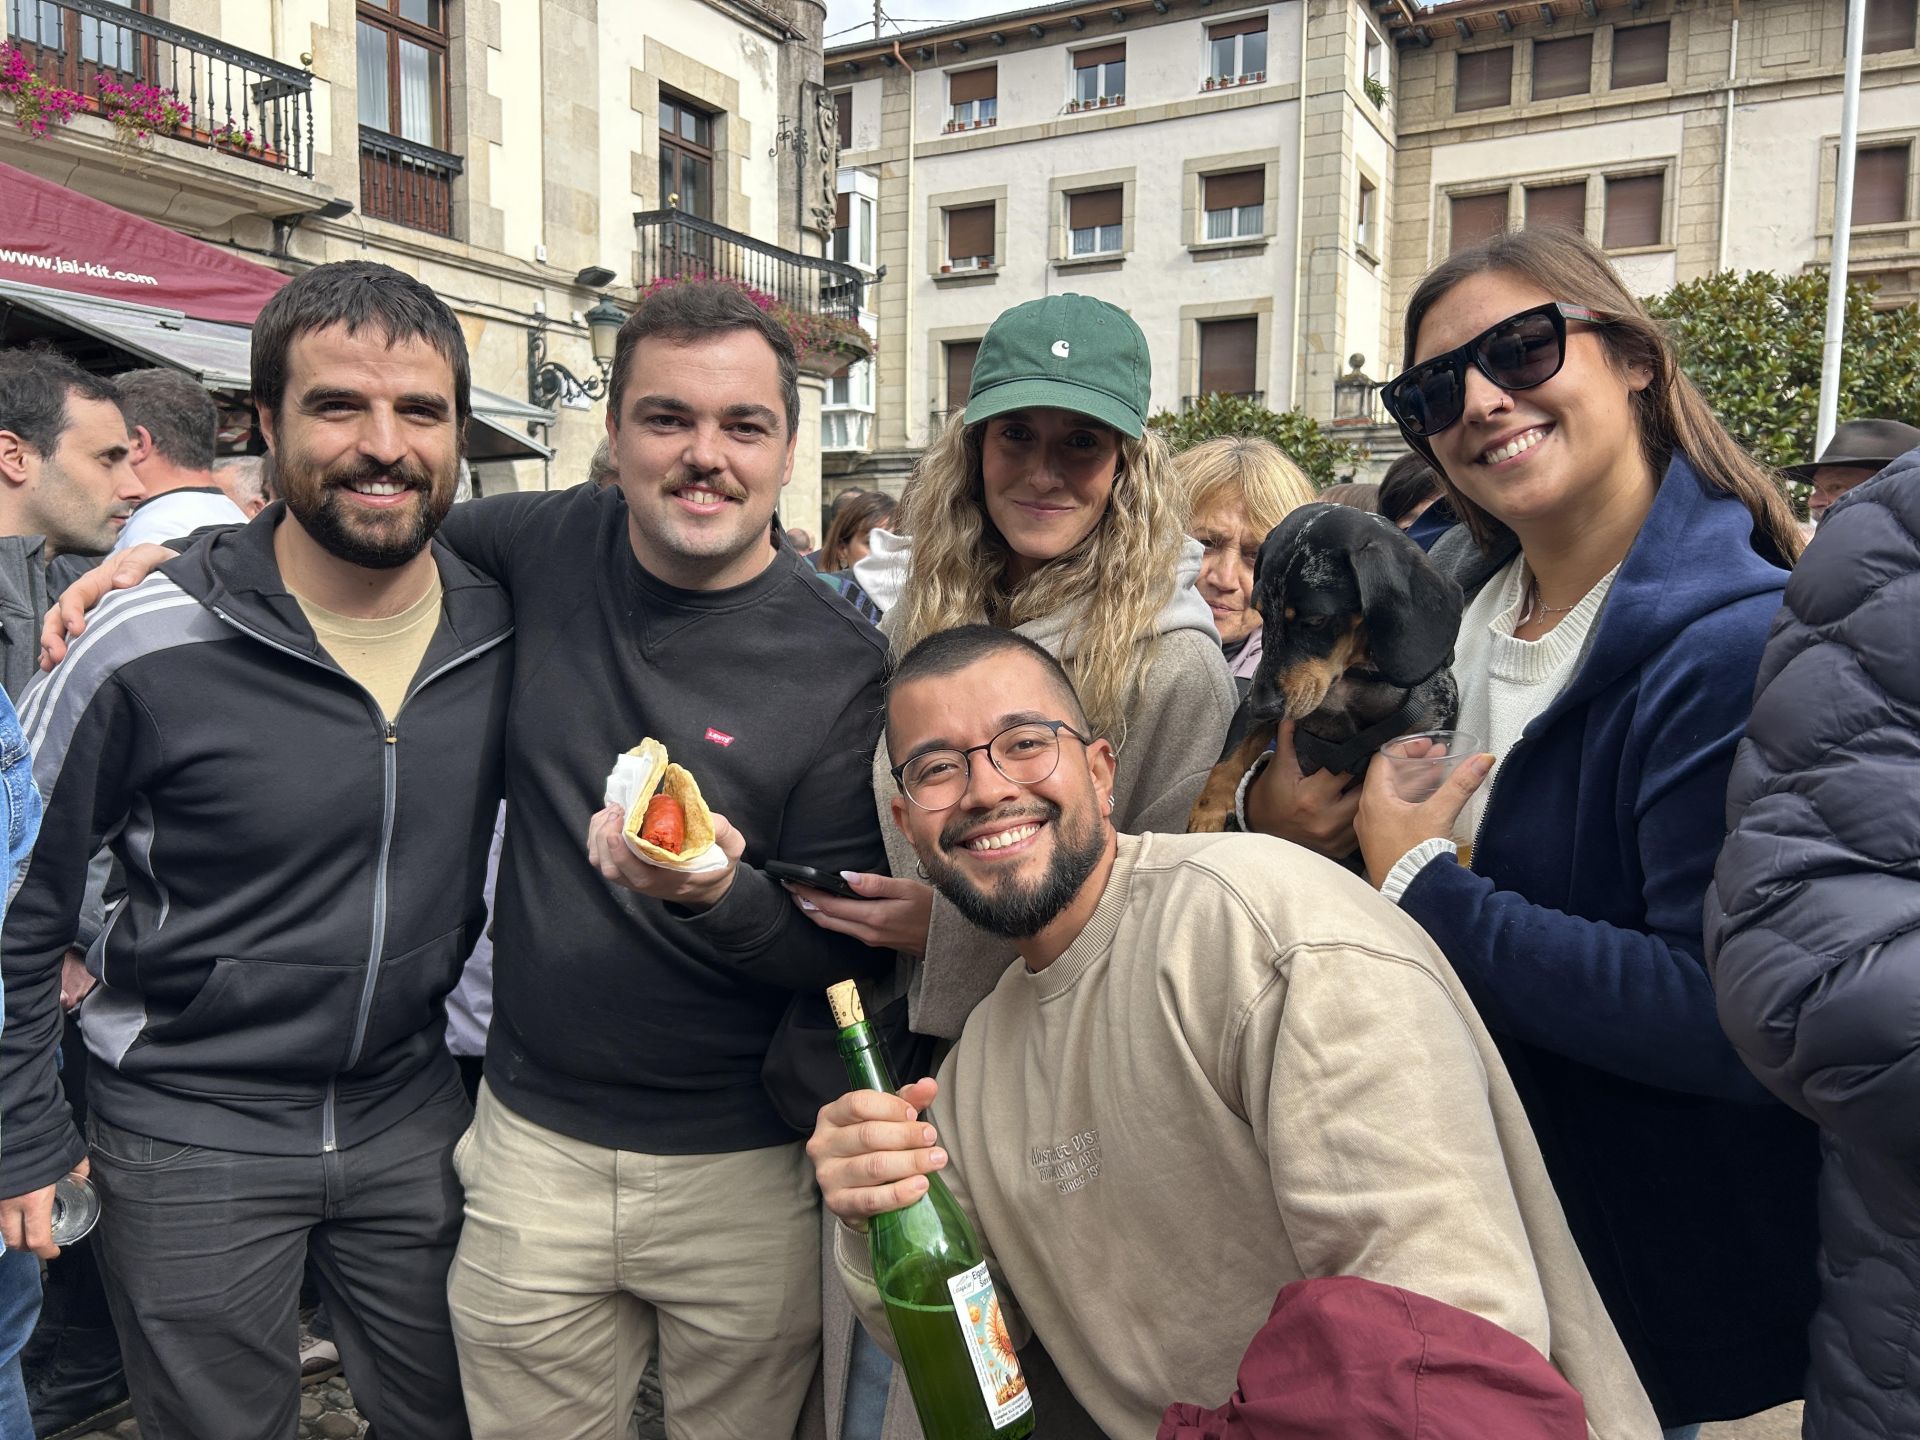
pixel 618 1020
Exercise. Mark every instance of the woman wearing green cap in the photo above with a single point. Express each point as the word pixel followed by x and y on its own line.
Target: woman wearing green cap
pixel 1049 508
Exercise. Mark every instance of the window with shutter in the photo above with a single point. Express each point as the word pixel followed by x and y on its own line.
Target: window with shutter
pixel 842 237
pixel 960 356
pixel 1562 67
pixel 970 237
pixel 1634 205
pixel 1880 184
pixel 843 117
pixel 1474 218
pixel 1237 50
pixel 1365 223
pixel 973 97
pixel 1640 56
pixel 1093 223
pixel 1235 204
pixel 1227 356
pixel 1564 205
pixel 1483 78
pixel 1890 25
pixel 1100 75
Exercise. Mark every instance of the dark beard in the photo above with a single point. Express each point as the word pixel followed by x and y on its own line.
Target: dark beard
pixel 1014 911
pixel 315 501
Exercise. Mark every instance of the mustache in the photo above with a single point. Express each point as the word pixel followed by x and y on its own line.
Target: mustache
pixel 954 831
pixel 365 469
pixel 688 480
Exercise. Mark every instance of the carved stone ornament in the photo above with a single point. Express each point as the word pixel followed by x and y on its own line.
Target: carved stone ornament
pixel 826 145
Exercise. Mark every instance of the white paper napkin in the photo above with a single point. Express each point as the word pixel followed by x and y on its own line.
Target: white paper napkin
pixel 623 787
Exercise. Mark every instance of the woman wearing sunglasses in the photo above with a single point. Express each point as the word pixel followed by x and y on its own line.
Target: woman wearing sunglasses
pixel 1623 559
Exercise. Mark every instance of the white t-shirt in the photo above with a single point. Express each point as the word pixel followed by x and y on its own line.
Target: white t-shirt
pixel 176 513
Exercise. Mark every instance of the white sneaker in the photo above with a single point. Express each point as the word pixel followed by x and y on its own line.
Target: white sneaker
pixel 319 1359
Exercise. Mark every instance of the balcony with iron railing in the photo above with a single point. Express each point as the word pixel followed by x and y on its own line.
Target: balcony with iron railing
pixel 135 69
pixel 406 182
pixel 677 246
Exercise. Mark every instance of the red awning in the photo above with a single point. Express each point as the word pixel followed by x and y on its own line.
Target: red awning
pixel 60 239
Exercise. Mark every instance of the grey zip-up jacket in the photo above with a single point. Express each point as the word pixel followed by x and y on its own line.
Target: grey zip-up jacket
pixel 23 605
pixel 304 873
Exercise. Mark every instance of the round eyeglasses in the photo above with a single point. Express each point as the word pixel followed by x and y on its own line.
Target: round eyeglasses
pixel 1026 754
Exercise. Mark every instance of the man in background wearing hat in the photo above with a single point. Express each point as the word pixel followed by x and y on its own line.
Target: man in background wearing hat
pixel 1859 450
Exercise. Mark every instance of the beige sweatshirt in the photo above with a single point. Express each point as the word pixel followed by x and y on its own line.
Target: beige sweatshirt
pixel 1248 1069
pixel 1175 729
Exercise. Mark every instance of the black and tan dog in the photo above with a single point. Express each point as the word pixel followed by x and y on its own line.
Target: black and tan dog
pixel 1357 632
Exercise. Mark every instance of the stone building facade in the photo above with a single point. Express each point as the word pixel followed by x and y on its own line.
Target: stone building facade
pixel 1685 136
pixel 507 152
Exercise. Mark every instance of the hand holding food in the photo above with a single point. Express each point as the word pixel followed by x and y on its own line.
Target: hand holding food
pixel 656 835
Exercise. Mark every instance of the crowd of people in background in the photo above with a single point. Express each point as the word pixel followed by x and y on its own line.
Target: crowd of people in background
pixel 328 966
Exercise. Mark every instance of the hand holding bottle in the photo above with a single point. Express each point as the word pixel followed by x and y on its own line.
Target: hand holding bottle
pixel 871 1151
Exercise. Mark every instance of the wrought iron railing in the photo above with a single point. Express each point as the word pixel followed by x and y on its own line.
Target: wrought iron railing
pixel 680 246
pixel 406 182
pixel 233 99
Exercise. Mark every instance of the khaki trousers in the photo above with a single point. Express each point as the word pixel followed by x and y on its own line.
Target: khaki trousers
pixel 575 1260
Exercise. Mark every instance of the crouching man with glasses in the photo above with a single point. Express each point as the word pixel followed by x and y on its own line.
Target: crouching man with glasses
pixel 1223 1058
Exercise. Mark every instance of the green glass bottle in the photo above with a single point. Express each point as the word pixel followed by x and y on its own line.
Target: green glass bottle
pixel 947 1323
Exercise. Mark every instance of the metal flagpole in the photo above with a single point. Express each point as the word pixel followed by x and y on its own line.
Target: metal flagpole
pixel 1842 229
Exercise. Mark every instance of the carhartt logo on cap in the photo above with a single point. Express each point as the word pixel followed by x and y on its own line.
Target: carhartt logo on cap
pixel 1061 348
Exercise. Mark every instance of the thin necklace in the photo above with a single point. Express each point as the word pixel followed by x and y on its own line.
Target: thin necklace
pixel 1535 608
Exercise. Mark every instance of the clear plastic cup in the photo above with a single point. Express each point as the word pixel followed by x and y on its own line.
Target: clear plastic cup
pixel 1419 764
pixel 76 1209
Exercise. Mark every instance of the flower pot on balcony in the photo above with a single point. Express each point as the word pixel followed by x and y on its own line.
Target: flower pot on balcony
pixel 1208 83
pixel 946 269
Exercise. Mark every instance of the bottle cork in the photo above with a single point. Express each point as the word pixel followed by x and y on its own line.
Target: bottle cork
pixel 844 1000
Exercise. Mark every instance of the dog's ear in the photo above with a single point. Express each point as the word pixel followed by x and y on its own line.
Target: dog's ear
pixel 1412 611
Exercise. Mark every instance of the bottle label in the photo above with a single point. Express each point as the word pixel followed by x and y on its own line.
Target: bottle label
pixel 995 1365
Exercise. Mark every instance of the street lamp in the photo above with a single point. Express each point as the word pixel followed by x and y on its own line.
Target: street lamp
pixel 549 382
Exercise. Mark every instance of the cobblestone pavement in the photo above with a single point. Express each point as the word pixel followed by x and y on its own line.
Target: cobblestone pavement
pixel 326 1413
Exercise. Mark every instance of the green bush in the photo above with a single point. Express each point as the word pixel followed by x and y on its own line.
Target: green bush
pixel 1752 344
pixel 1325 459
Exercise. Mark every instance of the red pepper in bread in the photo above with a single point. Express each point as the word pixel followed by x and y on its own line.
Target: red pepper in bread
pixel 666 824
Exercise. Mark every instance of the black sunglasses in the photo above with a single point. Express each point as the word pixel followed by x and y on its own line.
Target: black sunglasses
pixel 1522 351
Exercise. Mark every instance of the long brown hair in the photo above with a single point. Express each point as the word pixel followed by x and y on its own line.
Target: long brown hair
pixel 852 520
pixel 1670 413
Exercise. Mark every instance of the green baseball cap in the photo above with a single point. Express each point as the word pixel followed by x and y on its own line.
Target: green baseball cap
pixel 1066 352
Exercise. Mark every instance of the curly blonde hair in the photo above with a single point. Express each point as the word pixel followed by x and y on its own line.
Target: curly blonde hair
pixel 1116 580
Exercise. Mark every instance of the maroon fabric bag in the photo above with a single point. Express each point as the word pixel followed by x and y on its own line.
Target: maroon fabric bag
pixel 1349 1359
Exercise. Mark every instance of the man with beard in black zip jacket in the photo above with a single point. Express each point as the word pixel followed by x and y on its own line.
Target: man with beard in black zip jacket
pixel 291 738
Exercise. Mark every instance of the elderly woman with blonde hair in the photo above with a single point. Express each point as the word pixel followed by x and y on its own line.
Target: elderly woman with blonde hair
pixel 1237 489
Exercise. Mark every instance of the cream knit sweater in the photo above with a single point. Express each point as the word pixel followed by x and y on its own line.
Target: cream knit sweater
pixel 1504 683
pixel 1245 1071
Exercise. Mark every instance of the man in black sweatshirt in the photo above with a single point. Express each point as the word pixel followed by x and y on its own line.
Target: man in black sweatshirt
pixel 629 1177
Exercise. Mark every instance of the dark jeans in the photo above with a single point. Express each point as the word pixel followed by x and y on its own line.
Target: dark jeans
pixel 203 1249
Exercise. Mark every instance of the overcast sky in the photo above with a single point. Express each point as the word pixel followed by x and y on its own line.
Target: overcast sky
pixel 910 13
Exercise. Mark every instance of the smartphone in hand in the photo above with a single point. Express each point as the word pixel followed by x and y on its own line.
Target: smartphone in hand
pixel 827 880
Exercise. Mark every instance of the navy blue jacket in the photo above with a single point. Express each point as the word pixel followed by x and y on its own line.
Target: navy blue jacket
pixel 1813 932
pixel 1578 933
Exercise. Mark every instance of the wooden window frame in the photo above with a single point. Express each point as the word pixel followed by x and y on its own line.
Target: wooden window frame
pixel 386 17
pixel 679 145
